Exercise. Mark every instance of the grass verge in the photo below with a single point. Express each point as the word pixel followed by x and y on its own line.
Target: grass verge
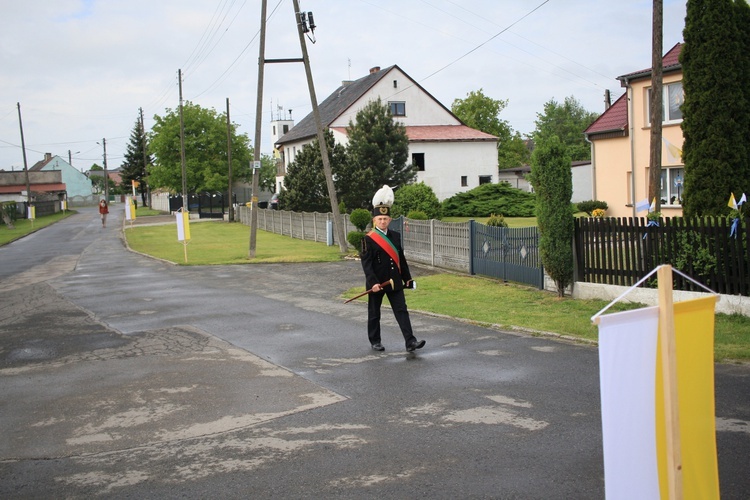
pixel 218 243
pixel 25 226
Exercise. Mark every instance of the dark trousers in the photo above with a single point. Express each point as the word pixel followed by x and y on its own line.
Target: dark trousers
pixel 398 304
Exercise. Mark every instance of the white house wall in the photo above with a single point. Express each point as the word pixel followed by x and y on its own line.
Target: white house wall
pixel 421 109
pixel 447 162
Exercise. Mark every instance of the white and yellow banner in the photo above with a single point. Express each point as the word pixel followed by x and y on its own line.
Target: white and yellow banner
pixel 31 213
pixel 633 422
pixel 129 209
pixel 183 226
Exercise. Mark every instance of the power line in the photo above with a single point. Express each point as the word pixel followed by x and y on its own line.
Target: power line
pixel 488 40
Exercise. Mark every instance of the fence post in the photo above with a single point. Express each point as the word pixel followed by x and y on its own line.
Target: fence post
pixel 432 242
pixel 471 247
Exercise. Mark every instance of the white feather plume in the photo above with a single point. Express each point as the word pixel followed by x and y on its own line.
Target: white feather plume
pixel 384 196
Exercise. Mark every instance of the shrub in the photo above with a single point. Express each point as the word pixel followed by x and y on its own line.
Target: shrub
pixel 360 218
pixel 417 215
pixel 355 239
pixel 590 205
pixel 416 197
pixel 490 199
pixel 497 221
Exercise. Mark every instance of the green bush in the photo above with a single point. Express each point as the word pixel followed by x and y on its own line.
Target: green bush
pixel 9 213
pixel 417 215
pixel 490 199
pixel 497 221
pixel 416 197
pixel 360 218
pixel 590 205
pixel 355 239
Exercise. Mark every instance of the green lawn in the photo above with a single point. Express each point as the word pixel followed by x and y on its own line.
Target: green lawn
pixel 27 226
pixel 218 242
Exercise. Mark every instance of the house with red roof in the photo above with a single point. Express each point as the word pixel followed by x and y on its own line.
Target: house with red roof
pixel 450 156
pixel 621 139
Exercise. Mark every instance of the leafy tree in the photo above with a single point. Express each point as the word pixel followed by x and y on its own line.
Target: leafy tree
pixel 567 121
pixel 488 199
pixel 553 186
pixel 134 168
pixel 481 112
pixel 377 153
pixel 205 151
pixel 416 197
pixel 305 188
pixel 715 113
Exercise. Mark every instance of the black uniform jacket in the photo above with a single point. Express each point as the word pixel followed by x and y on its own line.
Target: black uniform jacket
pixel 378 265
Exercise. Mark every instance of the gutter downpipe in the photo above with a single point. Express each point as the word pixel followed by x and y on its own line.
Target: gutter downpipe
pixel 632 143
pixel 593 166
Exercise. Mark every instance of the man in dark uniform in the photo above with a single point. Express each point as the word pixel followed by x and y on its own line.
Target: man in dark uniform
pixel 382 260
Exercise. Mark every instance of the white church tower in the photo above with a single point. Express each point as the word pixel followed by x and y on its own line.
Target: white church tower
pixel 280 125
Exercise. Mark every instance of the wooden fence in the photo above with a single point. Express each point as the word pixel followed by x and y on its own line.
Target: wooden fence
pixel 621 251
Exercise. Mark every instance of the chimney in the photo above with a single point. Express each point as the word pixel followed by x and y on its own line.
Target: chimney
pixel 47 156
pixel 374 69
pixel 346 83
pixel 607 100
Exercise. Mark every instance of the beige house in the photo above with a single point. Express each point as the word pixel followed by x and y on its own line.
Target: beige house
pixel 620 143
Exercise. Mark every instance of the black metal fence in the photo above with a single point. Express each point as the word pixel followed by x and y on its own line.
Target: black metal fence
pixel 621 251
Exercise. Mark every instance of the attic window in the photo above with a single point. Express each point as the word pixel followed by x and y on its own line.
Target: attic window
pixel 397 108
pixel 395 84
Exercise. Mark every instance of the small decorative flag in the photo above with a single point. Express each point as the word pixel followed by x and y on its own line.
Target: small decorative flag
pixel 732 203
pixel 743 199
pixel 653 206
pixel 641 205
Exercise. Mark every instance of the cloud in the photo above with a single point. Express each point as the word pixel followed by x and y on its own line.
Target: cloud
pixel 82 69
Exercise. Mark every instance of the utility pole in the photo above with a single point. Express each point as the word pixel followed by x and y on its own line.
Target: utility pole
pixel 185 203
pixel 656 103
pixel 229 164
pixel 258 122
pixel 25 165
pixel 106 174
pixel 339 227
pixel 145 156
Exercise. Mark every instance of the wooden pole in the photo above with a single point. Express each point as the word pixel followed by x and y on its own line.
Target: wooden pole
pixel 669 376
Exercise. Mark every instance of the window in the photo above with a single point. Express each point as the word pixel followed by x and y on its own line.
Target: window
pixel 485 179
pixel 286 128
pixel 417 159
pixel 464 181
pixel 274 129
pixel 672 186
pixel 673 98
pixel 397 108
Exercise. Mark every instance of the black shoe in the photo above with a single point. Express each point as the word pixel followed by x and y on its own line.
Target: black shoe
pixel 378 347
pixel 415 344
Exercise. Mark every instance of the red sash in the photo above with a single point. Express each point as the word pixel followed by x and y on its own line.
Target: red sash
pixel 387 246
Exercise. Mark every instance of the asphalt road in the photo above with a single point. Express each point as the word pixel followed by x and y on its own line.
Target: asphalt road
pixel 127 377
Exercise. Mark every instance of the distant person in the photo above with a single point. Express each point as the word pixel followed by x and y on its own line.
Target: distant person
pixel 383 260
pixel 103 211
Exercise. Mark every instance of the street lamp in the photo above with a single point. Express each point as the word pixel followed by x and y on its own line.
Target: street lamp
pixel 70 157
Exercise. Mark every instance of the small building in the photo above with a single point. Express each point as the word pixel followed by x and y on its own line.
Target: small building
pixel 76 182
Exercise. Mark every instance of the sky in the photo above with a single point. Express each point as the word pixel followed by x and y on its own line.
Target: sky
pixel 82 69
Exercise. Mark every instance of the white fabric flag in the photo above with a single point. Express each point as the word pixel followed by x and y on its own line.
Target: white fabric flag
pixel 627 377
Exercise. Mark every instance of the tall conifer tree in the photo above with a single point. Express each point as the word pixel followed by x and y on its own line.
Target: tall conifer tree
pixel 714 152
